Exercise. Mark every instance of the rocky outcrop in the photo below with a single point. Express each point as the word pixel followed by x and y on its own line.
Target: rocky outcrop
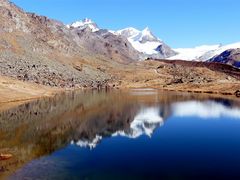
pixel 164 51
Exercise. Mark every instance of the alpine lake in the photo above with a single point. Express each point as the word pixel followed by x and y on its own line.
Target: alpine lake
pixel 131 134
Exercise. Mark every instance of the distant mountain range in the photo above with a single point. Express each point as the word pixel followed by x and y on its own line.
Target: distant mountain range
pixel 150 46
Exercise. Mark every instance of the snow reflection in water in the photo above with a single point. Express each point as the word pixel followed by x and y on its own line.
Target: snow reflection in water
pixel 207 109
pixel 145 122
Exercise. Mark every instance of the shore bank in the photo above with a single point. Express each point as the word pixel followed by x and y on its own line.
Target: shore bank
pixel 14 92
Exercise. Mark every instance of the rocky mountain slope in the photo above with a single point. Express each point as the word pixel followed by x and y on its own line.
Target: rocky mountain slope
pixel 31 47
pixel 105 43
pixel 41 50
pixel 231 57
pixel 220 50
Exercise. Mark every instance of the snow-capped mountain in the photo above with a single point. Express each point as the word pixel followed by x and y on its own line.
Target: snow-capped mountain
pixel 202 53
pixel 147 45
pixel 145 42
pixel 85 23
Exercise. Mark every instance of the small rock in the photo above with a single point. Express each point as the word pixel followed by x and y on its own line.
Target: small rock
pixel 237 93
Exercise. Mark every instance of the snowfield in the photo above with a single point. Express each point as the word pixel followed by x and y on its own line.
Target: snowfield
pixel 193 53
pixel 202 53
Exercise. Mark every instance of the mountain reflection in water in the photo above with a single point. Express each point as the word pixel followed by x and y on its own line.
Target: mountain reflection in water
pixel 84 119
pixel 144 122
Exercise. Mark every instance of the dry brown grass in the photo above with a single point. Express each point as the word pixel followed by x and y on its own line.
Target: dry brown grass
pixel 12 90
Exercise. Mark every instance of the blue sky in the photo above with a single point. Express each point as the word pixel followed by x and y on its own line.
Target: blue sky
pixel 180 23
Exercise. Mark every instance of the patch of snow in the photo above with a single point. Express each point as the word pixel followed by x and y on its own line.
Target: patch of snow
pixel 128 32
pixel 148 48
pixel 113 32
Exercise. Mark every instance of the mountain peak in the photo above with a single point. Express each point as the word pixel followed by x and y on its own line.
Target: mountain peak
pixel 147 35
pixel 83 24
pixel 147 30
pixel 128 32
pixel 87 20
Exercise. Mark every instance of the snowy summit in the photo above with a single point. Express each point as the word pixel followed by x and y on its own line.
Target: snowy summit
pixel 144 41
pixel 83 24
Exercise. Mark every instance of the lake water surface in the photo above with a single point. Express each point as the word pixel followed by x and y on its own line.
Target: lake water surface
pixel 138 134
